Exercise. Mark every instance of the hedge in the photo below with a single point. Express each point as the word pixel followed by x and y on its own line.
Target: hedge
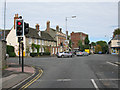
pixel 40 54
pixel 12 54
pixel 10 51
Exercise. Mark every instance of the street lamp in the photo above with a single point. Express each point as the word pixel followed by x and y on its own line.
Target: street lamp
pixel 66 23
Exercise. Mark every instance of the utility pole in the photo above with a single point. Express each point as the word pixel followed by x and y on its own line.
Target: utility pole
pixel 4 17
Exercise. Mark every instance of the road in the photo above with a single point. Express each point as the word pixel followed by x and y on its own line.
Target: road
pixel 94 71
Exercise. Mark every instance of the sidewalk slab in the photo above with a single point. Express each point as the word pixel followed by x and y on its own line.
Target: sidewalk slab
pixel 13 75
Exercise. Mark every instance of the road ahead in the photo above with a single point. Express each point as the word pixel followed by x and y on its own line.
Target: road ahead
pixel 78 72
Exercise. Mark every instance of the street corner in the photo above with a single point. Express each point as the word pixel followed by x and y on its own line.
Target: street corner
pixel 26 83
pixel 13 76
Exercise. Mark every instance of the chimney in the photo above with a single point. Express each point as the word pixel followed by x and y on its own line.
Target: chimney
pixel 16 17
pixel 57 28
pixel 60 29
pixel 37 27
pixel 48 26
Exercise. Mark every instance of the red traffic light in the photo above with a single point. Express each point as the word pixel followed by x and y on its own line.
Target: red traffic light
pixel 19 23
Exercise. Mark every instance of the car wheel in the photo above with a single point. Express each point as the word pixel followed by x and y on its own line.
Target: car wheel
pixel 71 56
pixel 62 56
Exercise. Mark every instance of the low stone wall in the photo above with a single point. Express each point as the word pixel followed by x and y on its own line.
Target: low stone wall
pixel 2 54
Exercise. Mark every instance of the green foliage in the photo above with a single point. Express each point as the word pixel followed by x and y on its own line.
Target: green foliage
pixel 33 47
pixel 47 50
pixel 37 47
pixel 87 41
pixel 10 51
pixel 98 48
pixel 68 37
pixel 117 31
pixel 12 54
pixel 103 45
pixel 93 43
pixel 86 46
pixel 70 43
pixel 81 47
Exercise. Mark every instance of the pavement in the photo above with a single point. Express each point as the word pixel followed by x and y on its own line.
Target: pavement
pixel 13 75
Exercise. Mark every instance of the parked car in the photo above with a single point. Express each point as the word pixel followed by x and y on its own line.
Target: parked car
pixel 64 54
pixel 73 53
pixel 79 53
pixel 85 53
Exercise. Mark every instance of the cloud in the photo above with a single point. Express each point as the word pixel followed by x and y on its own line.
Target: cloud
pixel 94 19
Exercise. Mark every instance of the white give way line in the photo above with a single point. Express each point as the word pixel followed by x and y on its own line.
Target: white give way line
pixel 112 63
pixel 94 84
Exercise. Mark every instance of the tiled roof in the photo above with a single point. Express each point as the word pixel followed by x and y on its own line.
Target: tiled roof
pixel 33 33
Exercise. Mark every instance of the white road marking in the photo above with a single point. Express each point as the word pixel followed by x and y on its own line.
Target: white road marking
pixel 95 85
pixel 112 63
pixel 64 80
pixel 108 79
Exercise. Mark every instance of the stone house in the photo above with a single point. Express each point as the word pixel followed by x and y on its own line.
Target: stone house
pixel 35 36
pixel 58 36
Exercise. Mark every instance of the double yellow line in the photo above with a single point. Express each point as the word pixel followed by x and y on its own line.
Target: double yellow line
pixel 32 81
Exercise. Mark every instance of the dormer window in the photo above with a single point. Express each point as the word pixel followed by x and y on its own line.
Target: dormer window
pixel 39 33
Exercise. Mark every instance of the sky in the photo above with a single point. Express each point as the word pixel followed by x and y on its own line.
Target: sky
pixel 98 18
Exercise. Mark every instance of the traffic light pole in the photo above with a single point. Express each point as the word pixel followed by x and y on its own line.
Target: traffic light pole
pixel 22 59
pixel 19 54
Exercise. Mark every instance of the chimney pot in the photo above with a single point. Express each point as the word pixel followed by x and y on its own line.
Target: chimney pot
pixel 16 17
pixel 57 28
pixel 48 26
pixel 60 29
pixel 37 27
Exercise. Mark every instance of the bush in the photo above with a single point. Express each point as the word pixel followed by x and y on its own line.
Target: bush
pixel 10 51
pixel 33 54
pixel 46 53
pixel 40 54
pixel 12 54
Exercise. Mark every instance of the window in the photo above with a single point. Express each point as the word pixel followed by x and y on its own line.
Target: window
pixel 30 49
pixel 118 43
pixel 42 42
pixel 53 51
pixel 39 42
pixel 30 41
pixel 35 41
pixel 42 49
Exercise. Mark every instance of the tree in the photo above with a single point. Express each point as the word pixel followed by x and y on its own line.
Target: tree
pixel 70 43
pixel 87 40
pixel 103 45
pixel 116 31
pixel 81 47
pixel 37 47
pixel 98 48
pixel 33 47
pixel 93 44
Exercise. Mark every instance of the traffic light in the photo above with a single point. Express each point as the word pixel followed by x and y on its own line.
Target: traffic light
pixel 26 28
pixel 19 28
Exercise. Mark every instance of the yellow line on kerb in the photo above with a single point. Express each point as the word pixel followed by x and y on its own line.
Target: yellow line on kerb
pixel 32 81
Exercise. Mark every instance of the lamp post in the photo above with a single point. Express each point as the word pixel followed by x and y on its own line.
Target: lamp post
pixel 66 23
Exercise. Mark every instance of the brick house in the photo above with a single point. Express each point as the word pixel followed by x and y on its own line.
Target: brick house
pixel 75 37
pixel 35 36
